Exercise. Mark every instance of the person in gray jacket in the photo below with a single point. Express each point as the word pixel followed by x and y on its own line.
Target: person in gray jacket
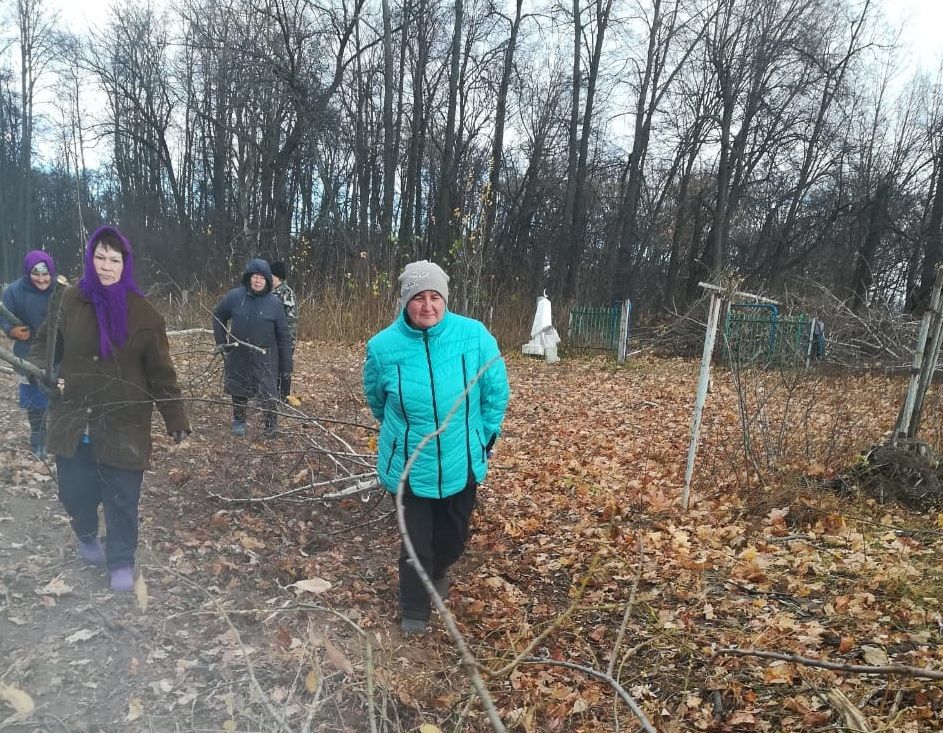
pixel 250 328
pixel 287 296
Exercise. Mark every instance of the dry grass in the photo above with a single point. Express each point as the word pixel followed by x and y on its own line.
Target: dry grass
pixel 347 313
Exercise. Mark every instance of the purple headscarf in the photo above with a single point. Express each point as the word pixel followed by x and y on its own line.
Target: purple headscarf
pixel 33 258
pixel 111 302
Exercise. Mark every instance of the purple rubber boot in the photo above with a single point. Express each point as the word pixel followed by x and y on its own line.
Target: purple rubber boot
pixel 122 579
pixel 91 550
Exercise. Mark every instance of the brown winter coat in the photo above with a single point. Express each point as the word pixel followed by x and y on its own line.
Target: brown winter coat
pixel 112 398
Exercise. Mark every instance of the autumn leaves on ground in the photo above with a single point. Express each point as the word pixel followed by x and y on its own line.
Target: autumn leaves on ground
pixel 281 615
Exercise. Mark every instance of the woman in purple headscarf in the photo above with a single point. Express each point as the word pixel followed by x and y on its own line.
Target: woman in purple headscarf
pixel 27 301
pixel 116 366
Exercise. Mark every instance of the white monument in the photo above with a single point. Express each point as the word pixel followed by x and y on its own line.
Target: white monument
pixel 543 336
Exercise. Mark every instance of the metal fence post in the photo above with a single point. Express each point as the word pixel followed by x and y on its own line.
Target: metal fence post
pixel 624 327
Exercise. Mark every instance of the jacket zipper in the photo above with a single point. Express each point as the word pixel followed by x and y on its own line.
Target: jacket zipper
pixel 435 409
pixel 402 407
pixel 468 457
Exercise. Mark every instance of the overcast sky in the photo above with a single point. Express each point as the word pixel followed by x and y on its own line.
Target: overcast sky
pixel 921 22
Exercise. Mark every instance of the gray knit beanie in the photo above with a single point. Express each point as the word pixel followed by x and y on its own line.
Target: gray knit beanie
pixel 420 276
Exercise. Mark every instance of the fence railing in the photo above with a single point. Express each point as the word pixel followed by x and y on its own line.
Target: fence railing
pixel 600 329
pixel 766 339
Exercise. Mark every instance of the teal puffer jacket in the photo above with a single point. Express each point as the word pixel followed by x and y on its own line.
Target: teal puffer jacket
pixel 413 379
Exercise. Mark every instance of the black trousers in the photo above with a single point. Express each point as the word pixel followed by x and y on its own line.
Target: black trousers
pixel 439 532
pixel 37 428
pixel 284 386
pixel 240 410
pixel 84 483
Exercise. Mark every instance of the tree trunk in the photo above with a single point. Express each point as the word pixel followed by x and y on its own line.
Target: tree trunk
pixel 497 147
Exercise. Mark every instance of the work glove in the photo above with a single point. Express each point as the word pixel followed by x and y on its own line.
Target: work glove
pixel 20 333
pixel 179 435
pixel 226 348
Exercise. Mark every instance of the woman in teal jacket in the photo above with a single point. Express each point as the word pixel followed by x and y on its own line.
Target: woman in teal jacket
pixel 433 370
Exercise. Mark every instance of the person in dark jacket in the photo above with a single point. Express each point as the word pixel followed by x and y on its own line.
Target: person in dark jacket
pixel 287 296
pixel 433 372
pixel 116 366
pixel 250 327
pixel 27 299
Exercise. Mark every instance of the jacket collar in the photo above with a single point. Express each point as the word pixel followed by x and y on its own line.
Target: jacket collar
pixel 411 331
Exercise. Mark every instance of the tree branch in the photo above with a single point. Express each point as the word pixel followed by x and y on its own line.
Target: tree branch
pixel 886 669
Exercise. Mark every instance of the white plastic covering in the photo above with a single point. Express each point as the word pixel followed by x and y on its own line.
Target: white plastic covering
pixel 543 336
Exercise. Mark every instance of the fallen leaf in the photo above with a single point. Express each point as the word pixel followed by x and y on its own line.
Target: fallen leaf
pixel 135 709
pixel 81 635
pixel 742 717
pixel 429 728
pixel 311 585
pixel 311 682
pixel 337 658
pixel 55 587
pixel 20 701
pixel 140 592
pixel 230 725
pixel 875 656
pixel 178 476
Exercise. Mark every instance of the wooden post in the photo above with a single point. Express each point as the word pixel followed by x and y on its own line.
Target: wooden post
pixel 810 345
pixel 931 354
pixel 700 398
pixel 624 321
pixel 908 418
pixel 718 299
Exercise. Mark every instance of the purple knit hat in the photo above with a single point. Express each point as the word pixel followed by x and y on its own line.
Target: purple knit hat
pixel 33 258
pixel 111 302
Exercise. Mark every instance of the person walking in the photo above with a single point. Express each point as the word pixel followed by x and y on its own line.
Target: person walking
pixel 286 295
pixel 251 329
pixel 27 300
pixel 433 372
pixel 116 367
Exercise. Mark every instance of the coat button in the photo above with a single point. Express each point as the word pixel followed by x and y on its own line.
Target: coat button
pixel 95 358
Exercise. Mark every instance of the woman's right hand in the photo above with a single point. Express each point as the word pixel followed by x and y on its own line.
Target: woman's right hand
pixel 20 333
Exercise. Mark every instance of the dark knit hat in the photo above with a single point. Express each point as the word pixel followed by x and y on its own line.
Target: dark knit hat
pixel 279 270
pixel 420 276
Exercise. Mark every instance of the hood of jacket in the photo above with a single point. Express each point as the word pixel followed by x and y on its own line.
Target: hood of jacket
pixel 34 258
pixel 257 266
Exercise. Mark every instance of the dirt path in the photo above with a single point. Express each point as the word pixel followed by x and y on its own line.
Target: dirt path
pixel 219 641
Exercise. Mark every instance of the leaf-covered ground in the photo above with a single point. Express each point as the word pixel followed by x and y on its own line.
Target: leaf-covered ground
pixel 579 533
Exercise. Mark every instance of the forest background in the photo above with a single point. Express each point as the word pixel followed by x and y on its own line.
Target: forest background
pixel 595 148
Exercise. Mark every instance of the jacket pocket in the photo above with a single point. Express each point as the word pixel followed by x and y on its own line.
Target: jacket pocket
pixel 389 463
pixel 481 444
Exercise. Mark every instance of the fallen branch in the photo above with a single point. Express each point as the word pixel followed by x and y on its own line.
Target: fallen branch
pixel 900 669
pixel 369 483
pixel 190 331
pixel 854 718
pixel 608 679
pixel 53 315
pixel 10 316
pixel 21 365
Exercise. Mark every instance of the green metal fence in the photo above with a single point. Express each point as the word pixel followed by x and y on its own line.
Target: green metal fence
pixel 597 329
pixel 760 336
